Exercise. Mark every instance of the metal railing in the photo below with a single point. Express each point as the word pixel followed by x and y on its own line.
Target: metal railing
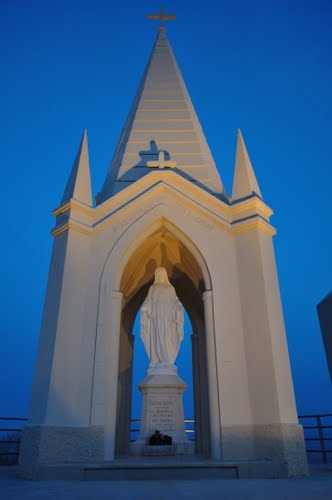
pixel 10 438
pixel 317 435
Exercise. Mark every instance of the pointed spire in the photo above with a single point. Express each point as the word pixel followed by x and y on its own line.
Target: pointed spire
pixel 244 183
pixel 162 119
pixel 79 182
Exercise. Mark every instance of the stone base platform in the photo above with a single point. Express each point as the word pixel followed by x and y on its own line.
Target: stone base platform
pixel 161 468
pixel 276 451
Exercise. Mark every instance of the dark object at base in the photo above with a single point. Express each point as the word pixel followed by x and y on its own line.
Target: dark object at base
pixel 158 439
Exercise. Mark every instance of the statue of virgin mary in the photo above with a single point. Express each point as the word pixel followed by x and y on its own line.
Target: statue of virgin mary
pixel 162 323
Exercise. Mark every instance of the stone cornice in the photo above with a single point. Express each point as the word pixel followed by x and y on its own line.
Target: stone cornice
pixel 73 215
pixel 251 203
pixel 129 204
pixel 254 222
pixel 74 225
pixel 85 209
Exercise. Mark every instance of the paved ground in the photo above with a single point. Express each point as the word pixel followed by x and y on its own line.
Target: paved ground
pixel 317 487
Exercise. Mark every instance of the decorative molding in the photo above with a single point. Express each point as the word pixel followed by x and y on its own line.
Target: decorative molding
pixel 160 186
pixel 256 223
pixel 75 226
pixel 72 203
pixel 251 203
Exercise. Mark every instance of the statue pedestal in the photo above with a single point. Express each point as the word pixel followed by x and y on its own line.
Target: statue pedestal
pixel 162 410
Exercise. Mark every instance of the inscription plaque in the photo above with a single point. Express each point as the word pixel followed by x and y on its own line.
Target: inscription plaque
pixel 162 414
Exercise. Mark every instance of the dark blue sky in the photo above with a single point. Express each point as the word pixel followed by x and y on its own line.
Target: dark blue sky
pixel 262 66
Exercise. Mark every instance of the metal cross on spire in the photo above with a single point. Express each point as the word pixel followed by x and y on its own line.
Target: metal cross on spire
pixel 161 17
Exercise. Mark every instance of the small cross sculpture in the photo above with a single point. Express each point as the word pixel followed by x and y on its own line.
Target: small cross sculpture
pixel 161 17
pixel 161 162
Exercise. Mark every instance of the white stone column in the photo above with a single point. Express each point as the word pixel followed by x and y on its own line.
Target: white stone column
pixel 113 340
pixel 212 376
pixel 197 382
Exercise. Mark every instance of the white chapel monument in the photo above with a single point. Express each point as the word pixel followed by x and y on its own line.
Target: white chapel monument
pixel 162 236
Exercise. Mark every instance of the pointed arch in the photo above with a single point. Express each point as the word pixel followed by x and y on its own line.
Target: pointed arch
pixel 161 225
pixel 162 243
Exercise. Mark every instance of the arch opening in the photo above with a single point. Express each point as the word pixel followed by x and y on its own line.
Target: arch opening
pixel 162 248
